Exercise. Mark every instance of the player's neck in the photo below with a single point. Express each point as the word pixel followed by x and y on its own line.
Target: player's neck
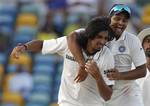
pixel 89 53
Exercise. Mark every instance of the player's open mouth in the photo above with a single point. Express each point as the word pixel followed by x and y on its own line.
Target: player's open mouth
pixel 118 29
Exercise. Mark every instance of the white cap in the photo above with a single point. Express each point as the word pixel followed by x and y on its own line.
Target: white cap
pixel 143 34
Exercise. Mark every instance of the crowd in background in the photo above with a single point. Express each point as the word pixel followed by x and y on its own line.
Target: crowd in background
pixel 33 79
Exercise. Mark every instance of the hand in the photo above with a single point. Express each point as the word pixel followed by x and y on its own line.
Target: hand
pixel 91 67
pixel 114 74
pixel 82 74
pixel 17 51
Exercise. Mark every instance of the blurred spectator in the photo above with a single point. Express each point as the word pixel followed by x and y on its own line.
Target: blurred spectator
pixel 33 7
pixel 122 1
pixel 47 31
pixel 3 42
pixel 21 82
pixel 1 80
pixel 42 11
pixel 145 17
pixel 58 9
pixel 48 25
pixel 142 2
pixel 103 6
pixel 1 74
pixel 83 6
pixel 57 4
pixel 81 10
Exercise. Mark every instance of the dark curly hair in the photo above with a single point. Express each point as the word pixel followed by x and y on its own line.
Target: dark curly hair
pixel 92 29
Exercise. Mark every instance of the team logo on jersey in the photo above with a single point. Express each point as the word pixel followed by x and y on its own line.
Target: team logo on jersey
pixel 122 49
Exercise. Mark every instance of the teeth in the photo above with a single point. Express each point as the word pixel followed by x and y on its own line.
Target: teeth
pixel 118 29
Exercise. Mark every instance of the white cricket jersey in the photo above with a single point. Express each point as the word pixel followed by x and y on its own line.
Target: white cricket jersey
pixel 140 81
pixel 144 84
pixel 126 50
pixel 79 94
pixel 146 91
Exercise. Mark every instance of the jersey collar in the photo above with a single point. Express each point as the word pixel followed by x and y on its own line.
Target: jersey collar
pixel 122 37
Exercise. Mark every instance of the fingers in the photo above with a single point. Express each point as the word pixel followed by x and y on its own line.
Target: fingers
pixel 88 64
pixel 91 66
pixel 14 53
pixel 78 79
pixel 81 76
pixel 112 74
pixel 17 51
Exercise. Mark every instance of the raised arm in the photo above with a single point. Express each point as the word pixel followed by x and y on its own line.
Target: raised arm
pixel 77 53
pixel 32 46
pixel 75 48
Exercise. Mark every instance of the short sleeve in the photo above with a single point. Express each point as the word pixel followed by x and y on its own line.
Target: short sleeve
pixel 137 52
pixel 52 46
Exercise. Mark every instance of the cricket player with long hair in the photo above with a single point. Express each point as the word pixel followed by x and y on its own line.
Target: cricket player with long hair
pixel 96 88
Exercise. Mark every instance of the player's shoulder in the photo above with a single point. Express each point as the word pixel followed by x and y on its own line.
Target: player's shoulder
pixel 130 36
pixel 107 55
pixel 61 39
pixel 106 51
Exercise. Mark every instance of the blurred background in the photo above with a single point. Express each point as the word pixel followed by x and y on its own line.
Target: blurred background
pixel 34 79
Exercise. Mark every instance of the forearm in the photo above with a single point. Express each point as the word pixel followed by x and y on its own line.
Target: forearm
pixel 75 49
pixel 104 90
pixel 139 72
pixel 34 46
